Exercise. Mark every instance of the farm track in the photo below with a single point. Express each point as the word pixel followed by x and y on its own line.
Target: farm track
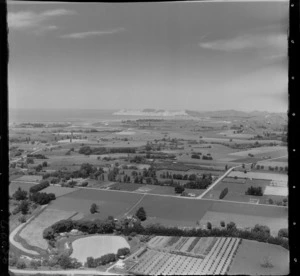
pixel 18 230
pixel 135 205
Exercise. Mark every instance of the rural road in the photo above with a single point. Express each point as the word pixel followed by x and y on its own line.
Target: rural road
pixel 73 272
pixel 15 231
pixel 216 182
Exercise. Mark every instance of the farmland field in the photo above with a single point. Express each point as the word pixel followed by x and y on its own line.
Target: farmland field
pixel 260 175
pixel 29 178
pixel 97 246
pixel 218 254
pixel 269 151
pixel 124 186
pixel 110 203
pixel 236 189
pixel 250 255
pixel 59 191
pixel 32 233
pixel 173 211
pixel 13 186
pixel 280 191
pixel 244 221
pixel 250 209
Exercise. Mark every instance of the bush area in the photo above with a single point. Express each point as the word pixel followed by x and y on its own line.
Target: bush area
pixel 37 156
pixel 103 260
pixel 223 193
pixel 42 198
pixel 106 259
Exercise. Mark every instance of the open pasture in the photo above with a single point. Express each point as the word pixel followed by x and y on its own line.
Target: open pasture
pixel 260 175
pixel 272 163
pixel 29 178
pixel 283 159
pixel 244 221
pixel 236 189
pixel 173 211
pixel 57 162
pixel 59 191
pixel 250 255
pixel 240 208
pixel 32 233
pixel 13 186
pixel 278 191
pixel 180 211
pixel 97 246
pixel 231 134
pixel 109 202
pixel 124 186
pixel 273 152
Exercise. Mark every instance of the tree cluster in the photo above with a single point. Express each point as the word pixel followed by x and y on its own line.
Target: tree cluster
pixel 38 187
pixel 255 191
pixel 103 260
pixel 42 198
pixel 37 156
pixel 86 226
pixel 20 194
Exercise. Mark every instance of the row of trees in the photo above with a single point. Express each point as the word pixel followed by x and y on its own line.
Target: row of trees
pixel 86 170
pixel 38 187
pixel 87 150
pixel 105 259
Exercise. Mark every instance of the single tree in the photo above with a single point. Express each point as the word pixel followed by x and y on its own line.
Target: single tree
pixel 141 214
pixel 179 189
pixel 24 207
pixel 208 225
pixel 20 194
pixel 94 208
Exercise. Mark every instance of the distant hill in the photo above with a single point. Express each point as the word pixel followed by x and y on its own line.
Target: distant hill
pixel 151 112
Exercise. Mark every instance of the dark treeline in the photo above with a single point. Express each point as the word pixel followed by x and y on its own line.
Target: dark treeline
pixel 127 227
pixel 87 150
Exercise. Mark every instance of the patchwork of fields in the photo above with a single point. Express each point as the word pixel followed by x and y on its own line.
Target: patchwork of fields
pixel 215 257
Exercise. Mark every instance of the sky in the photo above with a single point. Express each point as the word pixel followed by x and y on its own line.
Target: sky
pixel 192 55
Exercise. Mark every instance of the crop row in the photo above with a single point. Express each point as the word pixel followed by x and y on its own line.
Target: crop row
pixel 192 245
pixel 172 241
pixel 180 243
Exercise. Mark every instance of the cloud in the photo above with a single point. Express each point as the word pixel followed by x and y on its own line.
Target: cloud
pixel 30 20
pixel 253 41
pixel 92 33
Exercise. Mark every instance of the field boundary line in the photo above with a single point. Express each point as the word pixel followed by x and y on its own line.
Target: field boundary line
pixel 181 197
pixel 140 200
